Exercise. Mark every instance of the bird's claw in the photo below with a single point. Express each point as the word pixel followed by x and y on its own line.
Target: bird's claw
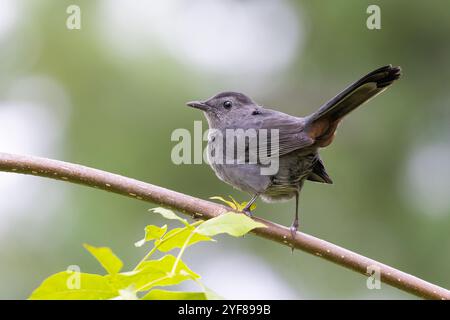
pixel 294 229
pixel 247 212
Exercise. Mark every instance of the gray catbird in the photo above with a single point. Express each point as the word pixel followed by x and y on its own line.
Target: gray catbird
pixel 298 138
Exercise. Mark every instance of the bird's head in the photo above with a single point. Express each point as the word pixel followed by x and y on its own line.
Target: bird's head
pixel 225 108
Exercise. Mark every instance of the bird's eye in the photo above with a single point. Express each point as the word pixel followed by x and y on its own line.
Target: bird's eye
pixel 227 104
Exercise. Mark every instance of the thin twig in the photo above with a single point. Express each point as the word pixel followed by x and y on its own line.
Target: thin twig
pixel 203 209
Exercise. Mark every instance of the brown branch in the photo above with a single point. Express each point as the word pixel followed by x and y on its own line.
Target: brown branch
pixel 202 209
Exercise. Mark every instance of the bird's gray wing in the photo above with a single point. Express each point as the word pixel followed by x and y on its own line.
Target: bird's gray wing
pixel 291 135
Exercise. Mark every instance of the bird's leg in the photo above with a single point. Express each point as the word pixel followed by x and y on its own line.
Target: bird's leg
pixel 247 210
pixel 294 226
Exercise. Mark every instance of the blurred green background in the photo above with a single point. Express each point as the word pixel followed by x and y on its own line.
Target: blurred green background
pixel 110 95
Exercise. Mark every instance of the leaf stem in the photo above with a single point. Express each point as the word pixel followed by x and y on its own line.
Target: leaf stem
pixel 181 252
pixel 152 284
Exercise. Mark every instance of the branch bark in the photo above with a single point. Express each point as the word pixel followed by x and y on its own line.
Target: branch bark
pixel 202 209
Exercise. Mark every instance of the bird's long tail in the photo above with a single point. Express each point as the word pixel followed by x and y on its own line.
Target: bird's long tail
pixel 322 124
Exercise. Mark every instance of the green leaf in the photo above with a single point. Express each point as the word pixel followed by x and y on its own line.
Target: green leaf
pixel 244 204
pixel 151 233
pixel 158 294
pixel 169 214
pixel 177 241
pixel 74 286
pixel 236 204
pixel 211 295
pixel 155 273
pixel 109 261
pixel 233 204
pixel 234 224
pixel 127 294
pixel 154 232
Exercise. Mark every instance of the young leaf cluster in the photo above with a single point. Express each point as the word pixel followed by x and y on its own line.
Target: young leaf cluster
pixel 152 277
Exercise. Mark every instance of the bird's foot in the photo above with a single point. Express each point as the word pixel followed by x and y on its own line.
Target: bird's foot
pixel 247 212
pixel 294 229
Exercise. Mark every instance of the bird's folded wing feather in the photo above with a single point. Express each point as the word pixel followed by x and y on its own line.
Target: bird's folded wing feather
pixel 291 136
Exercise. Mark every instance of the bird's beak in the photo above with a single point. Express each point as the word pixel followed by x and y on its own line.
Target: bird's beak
pixel 198 105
